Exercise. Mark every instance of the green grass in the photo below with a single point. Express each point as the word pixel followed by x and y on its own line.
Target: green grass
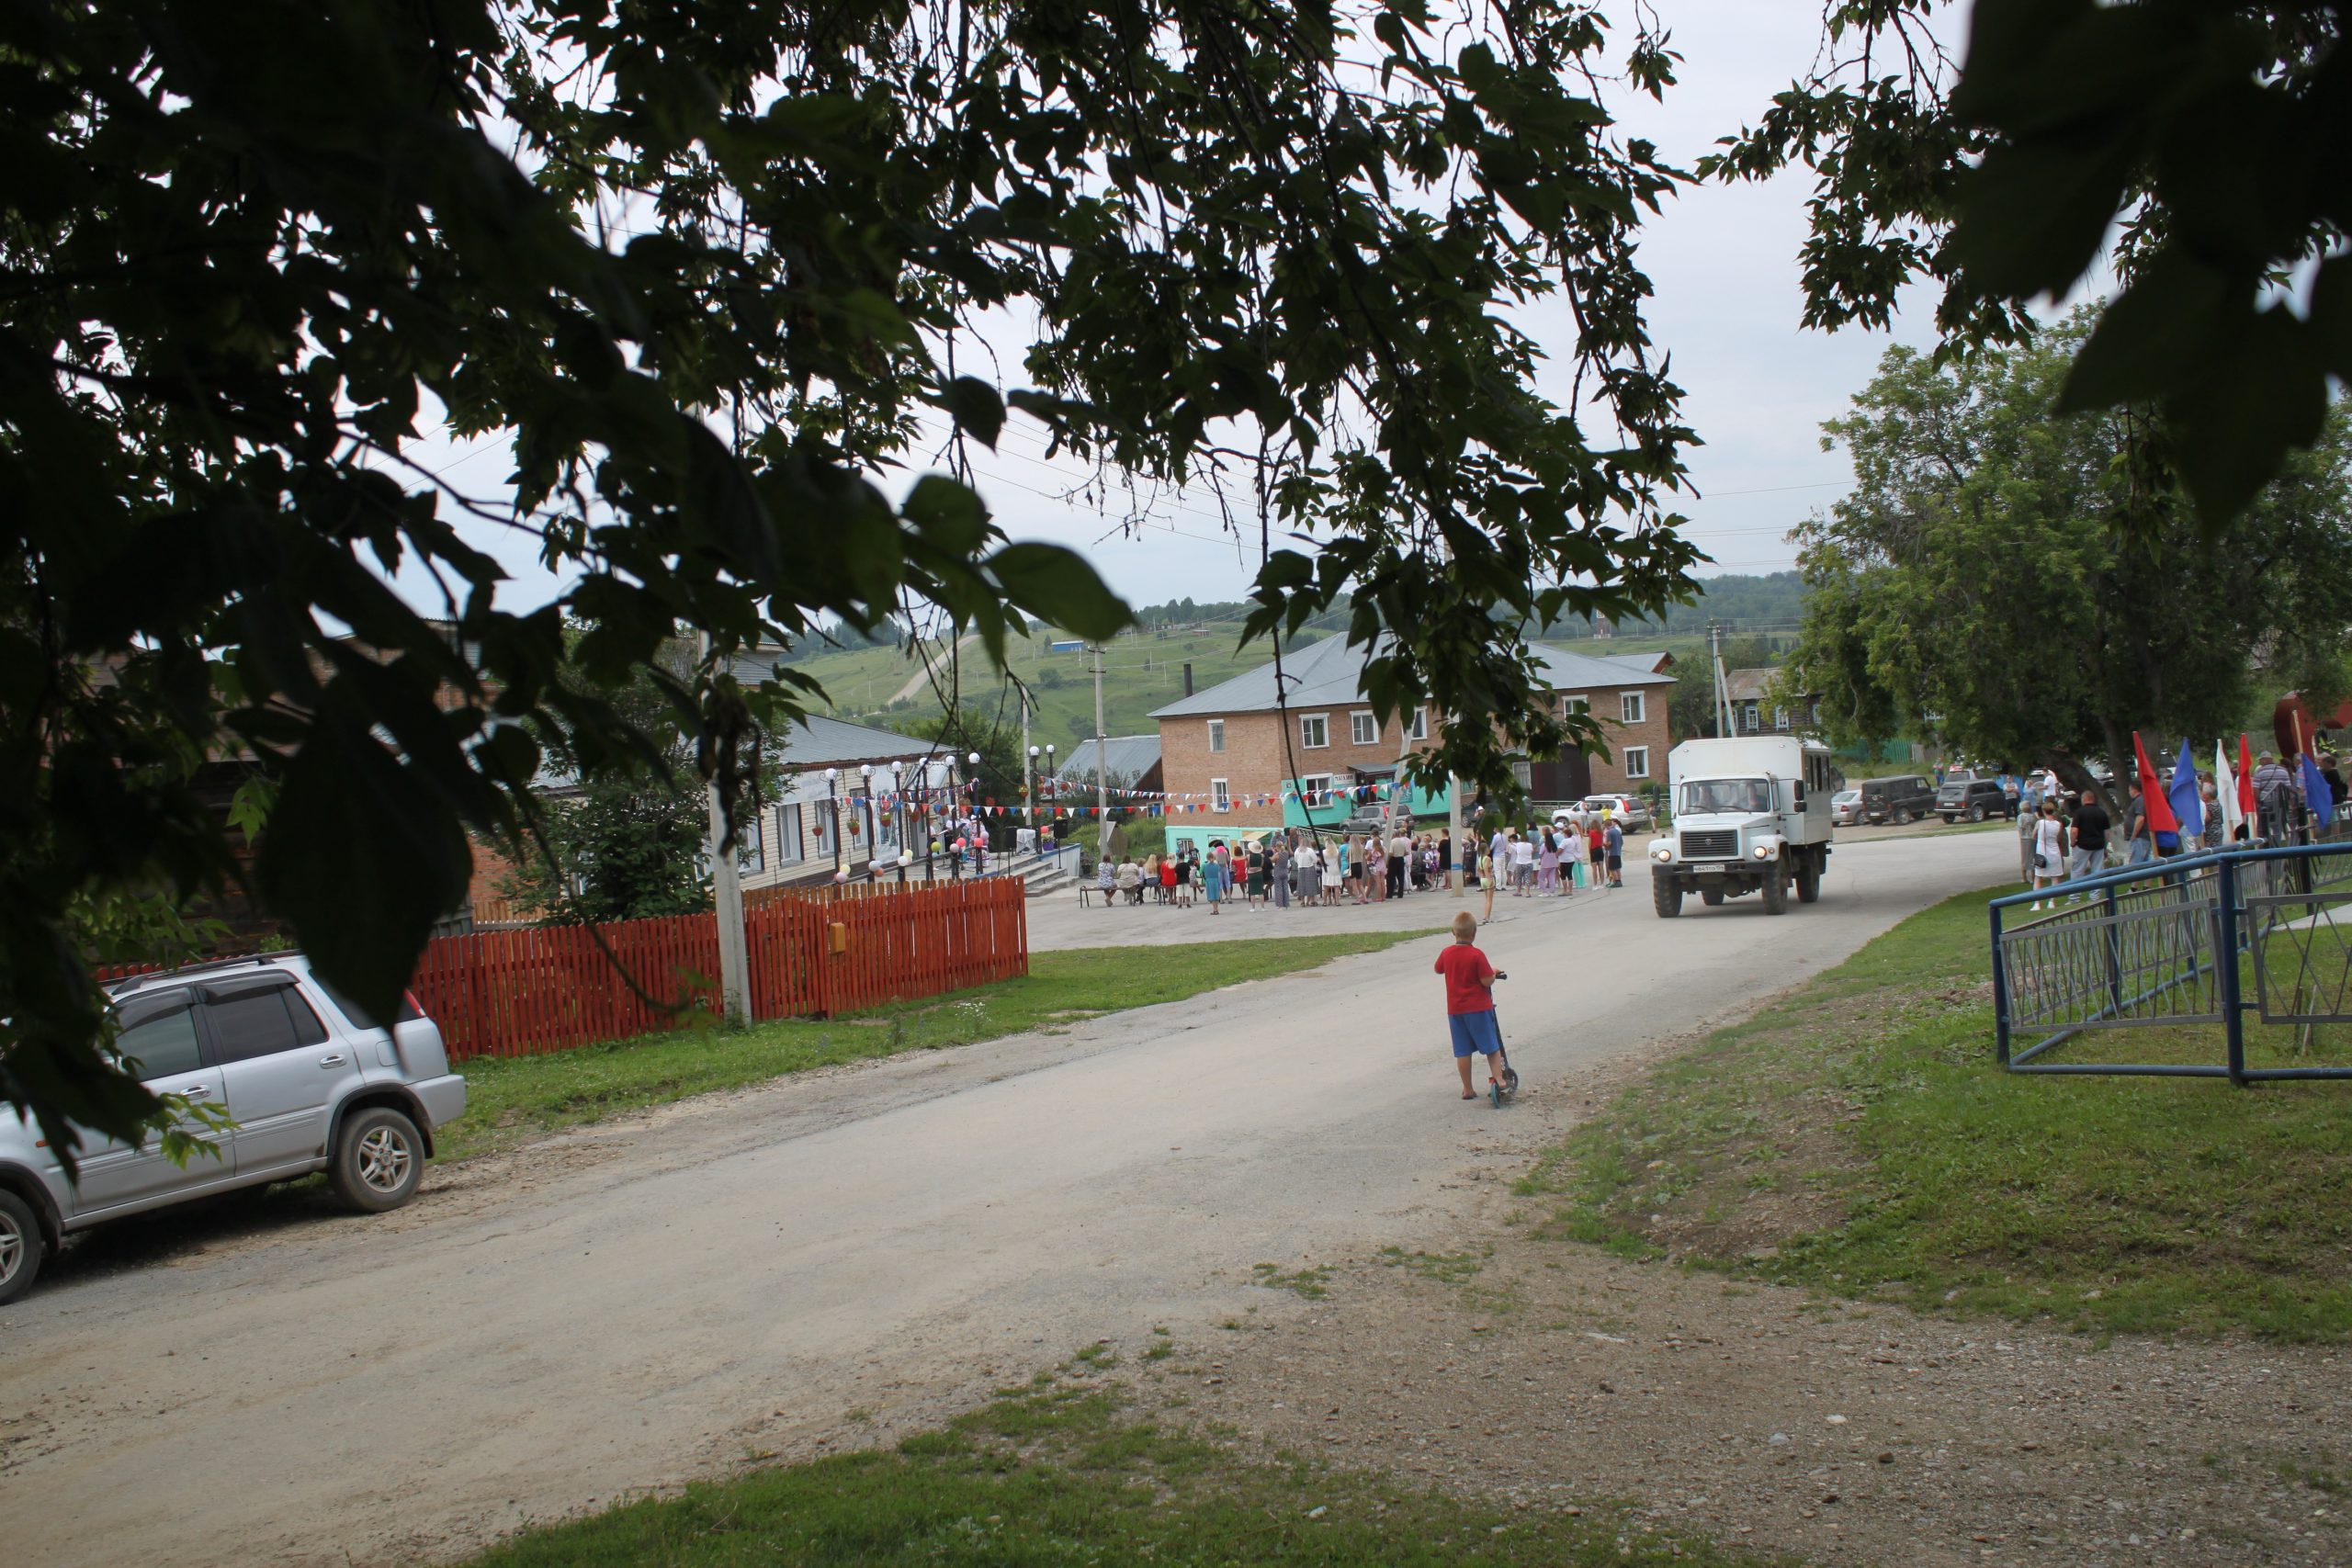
pixel 1856 1137
pixel 1140 671
pixel 1056 1474
pixel 509 1099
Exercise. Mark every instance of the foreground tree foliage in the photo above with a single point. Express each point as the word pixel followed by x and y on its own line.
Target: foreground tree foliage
pixel 2198 146
pixel 709 267
pixel 1998 567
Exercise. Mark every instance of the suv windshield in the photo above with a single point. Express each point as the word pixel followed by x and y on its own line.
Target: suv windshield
pixel 1725 795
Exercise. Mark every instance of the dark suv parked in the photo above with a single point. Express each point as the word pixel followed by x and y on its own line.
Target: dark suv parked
pixel 1901 798
pixel 1973 798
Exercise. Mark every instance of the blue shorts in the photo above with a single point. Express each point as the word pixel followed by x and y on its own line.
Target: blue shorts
pixel 1475 1034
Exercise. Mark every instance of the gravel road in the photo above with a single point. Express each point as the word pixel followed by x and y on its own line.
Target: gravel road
pixel 828 1260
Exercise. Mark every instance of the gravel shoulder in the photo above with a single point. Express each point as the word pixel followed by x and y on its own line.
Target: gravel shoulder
pixel 1505 1366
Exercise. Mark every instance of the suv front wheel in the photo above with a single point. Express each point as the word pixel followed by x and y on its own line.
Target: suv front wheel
pixel 20 1246
pixel 379 1158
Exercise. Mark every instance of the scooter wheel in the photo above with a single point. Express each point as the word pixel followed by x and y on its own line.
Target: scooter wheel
pixel 1510 1081
pixel 1495 1092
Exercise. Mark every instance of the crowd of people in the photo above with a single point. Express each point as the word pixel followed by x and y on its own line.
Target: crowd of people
pixel 2072 836
pixel 1289 866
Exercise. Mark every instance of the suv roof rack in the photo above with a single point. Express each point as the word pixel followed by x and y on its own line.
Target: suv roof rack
pixel 116 987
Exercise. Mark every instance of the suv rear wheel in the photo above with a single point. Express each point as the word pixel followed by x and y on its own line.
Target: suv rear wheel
pixel 21 1246
pixel 379 1158
pixel 1976 812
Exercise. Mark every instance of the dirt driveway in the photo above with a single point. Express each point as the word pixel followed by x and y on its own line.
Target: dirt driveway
pixel 827 1260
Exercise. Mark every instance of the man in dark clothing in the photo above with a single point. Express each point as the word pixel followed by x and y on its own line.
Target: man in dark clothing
pixel 2090 839
pixel 2277 796
pixel 2139 844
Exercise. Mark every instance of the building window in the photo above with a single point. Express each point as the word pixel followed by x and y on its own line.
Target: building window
pixel 829 823
pixel 1364 729
pixel 1572 706
pixel 1749 719
pixel 788 847
pixel 1637 762
pixel 1421 730
pixel 1314 731
pixel 750 844
pixel 1217 735
pixel 1312 788
pixel 1780 719
pixel 1220 797
pixel 1629 706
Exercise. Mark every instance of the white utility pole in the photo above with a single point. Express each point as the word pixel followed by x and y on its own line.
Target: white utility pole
pixel 727 895
pixel 1028 771
pixel 1102 794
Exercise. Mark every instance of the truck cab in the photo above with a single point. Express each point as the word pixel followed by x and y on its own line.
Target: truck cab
pixel 1751 814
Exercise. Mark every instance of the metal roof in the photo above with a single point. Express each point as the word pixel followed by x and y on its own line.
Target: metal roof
pixel 1331 674
pixel 817 741
pixel 1127 756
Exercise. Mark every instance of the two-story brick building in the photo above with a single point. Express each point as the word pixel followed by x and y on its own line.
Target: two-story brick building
pixel 1231 762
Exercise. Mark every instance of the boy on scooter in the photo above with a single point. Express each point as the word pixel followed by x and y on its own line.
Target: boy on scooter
pixel 1470 1002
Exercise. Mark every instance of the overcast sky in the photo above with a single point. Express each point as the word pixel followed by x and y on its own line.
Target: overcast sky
pixel 1723 264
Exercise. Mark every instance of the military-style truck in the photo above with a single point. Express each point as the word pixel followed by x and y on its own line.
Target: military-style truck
pixel 1751 814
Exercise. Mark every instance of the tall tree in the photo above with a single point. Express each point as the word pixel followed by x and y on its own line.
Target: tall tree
pixel 711 269
pixel 2197 145
pixel 1983 577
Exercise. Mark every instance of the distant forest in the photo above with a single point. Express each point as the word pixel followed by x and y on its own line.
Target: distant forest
pixel 1741 602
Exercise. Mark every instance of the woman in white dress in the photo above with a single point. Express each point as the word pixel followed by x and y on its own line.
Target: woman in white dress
pixel 2049 851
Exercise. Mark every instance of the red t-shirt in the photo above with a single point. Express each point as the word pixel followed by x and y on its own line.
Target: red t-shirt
pixel 1465 967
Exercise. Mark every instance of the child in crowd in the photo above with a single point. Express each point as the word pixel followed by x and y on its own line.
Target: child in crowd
pixel 1470 1002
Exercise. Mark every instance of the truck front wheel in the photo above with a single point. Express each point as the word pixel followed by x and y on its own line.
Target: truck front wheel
pixel 1809 878
pixel 1776 888
pixel 1665 897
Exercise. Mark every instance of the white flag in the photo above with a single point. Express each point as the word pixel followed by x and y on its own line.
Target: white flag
pixel 2225 796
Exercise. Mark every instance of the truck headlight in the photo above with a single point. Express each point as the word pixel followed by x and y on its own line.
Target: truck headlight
pixel 1662 852
pixel 1766 849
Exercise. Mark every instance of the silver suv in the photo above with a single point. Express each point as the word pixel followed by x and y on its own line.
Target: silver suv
pixel 309 1081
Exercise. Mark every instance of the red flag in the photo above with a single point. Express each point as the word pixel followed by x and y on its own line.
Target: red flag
pixel 2152 794
pixel 2246 807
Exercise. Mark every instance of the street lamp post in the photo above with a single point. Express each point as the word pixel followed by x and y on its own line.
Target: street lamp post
pixel 833 805
pixel 1029 793
pixel 873 846
pixel 899 811
pixel 980 856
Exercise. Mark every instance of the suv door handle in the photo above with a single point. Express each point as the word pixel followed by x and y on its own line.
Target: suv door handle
pixel 192 1090
pixel 334 1061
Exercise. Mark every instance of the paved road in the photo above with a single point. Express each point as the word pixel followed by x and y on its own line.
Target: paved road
pixel 827 1260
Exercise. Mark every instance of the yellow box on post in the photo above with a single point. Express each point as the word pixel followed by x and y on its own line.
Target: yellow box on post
pixel 837 937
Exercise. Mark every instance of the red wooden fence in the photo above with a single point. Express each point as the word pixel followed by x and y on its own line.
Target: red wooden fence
pixel 516 993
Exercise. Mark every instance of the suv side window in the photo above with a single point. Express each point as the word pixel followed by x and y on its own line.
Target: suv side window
pixel 260 1019
pixel 159 1034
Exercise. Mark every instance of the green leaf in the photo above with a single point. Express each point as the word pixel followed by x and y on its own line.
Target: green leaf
pixel 2263 395
pixel 362 859
pixel 1059 586
pixel 2031 218
pixel 976 407
pixel 950 516
pixel 2150 340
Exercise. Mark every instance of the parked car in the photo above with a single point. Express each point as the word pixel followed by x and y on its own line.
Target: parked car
pixel 1975 799
pixel 1846 807
pixel 309 1082
pixel 1901 798
pixel 1632 813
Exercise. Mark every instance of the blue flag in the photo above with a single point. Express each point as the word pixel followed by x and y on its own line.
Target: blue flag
pixel 2317 797
pixel 2182 794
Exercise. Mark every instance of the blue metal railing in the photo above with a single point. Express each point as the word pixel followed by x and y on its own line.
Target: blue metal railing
pixel 2163 944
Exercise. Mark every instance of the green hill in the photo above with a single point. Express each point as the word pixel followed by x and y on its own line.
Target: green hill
pixel 1141 670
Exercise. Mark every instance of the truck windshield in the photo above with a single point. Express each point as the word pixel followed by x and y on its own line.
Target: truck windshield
pixel 1704 796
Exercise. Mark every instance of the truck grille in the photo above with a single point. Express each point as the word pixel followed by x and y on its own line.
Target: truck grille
pixel 1722 844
